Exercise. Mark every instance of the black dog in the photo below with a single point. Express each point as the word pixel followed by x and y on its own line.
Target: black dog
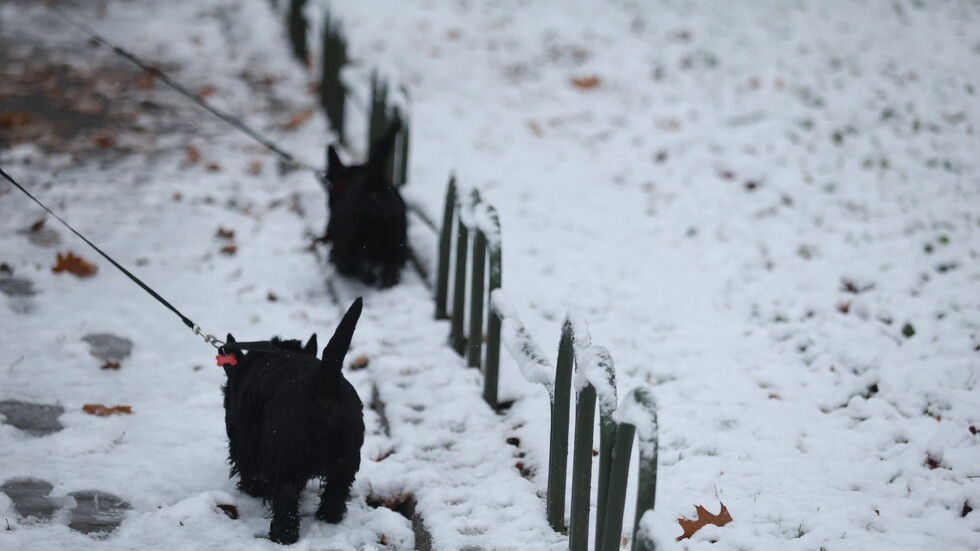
pixel 292 417
pixel 367 216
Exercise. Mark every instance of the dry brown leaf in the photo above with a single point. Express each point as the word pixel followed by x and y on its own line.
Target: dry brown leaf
pixel 104 141
pixel 298 119
pixel 229 249
pixel 193 155
pixel 213 167
pixel 225 234
pixel 229 510
pixel 205 91
pixel 13 119
pixel 271 297
pixel 102 411
pixel 586 83
pixel 360 363
pixel 74 265
pixel 145 80
pixel 704 518
pixel 110 365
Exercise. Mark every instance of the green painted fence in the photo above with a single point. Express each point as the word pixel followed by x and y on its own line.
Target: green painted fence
pixel 473 227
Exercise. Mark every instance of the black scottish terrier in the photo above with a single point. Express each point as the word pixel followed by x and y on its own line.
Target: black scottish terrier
pixel 367 216
pixel 290 418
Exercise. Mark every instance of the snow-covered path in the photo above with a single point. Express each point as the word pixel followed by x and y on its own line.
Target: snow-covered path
pixel 768 212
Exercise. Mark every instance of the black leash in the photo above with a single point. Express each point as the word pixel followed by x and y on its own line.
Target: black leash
pixel 235 122
pixel 258 346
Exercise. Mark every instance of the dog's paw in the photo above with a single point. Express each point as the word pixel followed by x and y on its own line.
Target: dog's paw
pixel 284 533
pixel 331 512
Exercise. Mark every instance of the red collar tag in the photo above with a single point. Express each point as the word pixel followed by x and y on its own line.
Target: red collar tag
pixel 226 359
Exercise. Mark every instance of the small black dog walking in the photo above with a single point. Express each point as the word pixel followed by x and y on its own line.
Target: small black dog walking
pixel 368 224
pixel 290 418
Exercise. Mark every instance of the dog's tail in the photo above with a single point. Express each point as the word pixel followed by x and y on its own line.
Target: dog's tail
pixel 380 150
pixel 333 355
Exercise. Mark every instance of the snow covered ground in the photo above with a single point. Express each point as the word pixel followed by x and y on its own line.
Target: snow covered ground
pixel 767 211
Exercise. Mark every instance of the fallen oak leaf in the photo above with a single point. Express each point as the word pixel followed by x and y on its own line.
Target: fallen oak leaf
pixel 102 411
pixel 205 92
pixel 145 80
pixel 74 265
pixel 13 119
pixel 703 519
pixel 104 142
pixel 586 83
pixel 229 510
pixel 298 119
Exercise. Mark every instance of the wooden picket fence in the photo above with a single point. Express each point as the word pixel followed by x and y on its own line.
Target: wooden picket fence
pixel 468 220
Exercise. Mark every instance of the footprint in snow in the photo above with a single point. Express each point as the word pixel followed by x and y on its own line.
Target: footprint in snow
pixel 20 291
pixel 34 419
pixel 94 511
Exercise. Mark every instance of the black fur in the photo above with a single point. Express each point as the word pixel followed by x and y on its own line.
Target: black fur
pixel 290 418
pixel 367 216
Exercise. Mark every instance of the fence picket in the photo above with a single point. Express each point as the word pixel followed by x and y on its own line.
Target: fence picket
pixel 457 338
pixel 333 93
pixel 578 529
pixel 558 454
pixel 296 21
pixel 477 292
pixel 445 244
pixel 612 521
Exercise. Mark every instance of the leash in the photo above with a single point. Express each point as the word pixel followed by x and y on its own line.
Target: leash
pixel 153 70
pixel 223 349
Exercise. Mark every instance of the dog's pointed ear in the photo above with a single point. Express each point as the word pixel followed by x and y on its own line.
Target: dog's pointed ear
pixel 333 161
pixel 381 148
pixel 229 339
pixel 311 346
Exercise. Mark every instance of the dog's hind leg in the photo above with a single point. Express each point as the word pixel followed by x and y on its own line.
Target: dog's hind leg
pixel 334 493
pixel 285 513
pixel 243 447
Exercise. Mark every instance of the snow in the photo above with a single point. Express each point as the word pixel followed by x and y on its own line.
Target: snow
pixel 766 211
pixel 639 408
pixel 596 368
pixel 530 358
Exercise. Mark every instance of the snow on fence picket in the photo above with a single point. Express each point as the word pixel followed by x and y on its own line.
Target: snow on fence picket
pixel 594 381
